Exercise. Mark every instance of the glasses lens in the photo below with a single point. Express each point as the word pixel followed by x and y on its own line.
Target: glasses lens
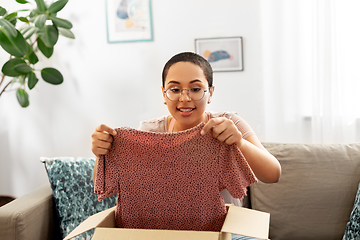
pixel 174 94
pixel 196 94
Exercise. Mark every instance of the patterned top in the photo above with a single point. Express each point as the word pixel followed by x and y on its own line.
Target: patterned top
pixel 171 180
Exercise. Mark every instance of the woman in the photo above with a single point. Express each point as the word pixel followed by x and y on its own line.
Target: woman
pixel 187 86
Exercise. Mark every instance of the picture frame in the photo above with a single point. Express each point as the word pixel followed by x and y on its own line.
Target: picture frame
pixel 128 21
pixel 224 53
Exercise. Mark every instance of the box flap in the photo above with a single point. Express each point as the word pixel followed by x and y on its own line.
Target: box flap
pixel 151 234
pixel 105 218
pixel 247 222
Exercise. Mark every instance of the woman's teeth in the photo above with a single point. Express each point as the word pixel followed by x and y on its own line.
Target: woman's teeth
pixel 186 110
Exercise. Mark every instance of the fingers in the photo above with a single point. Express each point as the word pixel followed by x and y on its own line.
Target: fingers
pixel 211 124
pixel 102 139
pixel 223 129
pixel 104 128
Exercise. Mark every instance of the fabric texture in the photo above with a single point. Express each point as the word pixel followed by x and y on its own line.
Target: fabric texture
pixel 73 192
pixel 315 194
pixel 171 180
pixel 160 125
pixel 352 231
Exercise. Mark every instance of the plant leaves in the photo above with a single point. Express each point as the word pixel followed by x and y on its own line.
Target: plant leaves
pixel 66 33
pixel 28 31
pixel 31 56
pixel 47 51
pixel 24 19
pixel 51 75
pixel 57 6
pixel 41 7
pixel 40 21
pixel 32 80
pixel 2 11
pixel 8 27
pixel 49 35
pixel 11 16
pixel 8 68
pixel 23 68
pixel 63 23
pixel 22 1
pixel 15 46
pixel 22 97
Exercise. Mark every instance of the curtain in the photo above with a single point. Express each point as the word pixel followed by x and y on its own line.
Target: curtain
pixel 310 70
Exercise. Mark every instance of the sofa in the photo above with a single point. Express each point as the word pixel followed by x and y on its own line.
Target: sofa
pixel 312 200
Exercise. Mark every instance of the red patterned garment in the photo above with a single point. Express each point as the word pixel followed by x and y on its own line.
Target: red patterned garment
pixel 171 180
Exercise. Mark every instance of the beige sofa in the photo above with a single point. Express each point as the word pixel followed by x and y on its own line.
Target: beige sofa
pixel 312 200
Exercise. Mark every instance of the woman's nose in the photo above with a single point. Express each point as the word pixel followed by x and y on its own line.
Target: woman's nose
pixel 185 96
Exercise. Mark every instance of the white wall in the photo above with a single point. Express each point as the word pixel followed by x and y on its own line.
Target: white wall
pixel 119 83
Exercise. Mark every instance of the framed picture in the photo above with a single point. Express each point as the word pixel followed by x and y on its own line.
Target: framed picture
pixel 128 20
pixel 223 54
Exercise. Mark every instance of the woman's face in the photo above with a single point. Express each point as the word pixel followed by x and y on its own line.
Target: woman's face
pixel 187 112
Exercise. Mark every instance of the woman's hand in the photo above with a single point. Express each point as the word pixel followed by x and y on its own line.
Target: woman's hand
pixel 102 140
pixel 224 130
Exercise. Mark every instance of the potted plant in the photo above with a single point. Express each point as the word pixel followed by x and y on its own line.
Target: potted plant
pixel 22 34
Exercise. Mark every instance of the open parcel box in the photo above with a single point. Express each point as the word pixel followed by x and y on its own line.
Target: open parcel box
pixel 239 220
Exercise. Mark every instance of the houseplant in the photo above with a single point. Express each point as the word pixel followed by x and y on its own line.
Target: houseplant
pixel 22 34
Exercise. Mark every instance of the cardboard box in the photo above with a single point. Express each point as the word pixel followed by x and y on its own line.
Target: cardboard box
pixel 239 220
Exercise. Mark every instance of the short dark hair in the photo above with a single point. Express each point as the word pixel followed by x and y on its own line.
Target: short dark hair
pixel 193 58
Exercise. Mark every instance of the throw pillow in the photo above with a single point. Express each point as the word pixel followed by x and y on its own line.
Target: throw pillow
pixel 73 192
pixel 352 230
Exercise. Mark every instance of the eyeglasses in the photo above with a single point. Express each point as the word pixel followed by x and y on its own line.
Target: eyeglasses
pixel 195 93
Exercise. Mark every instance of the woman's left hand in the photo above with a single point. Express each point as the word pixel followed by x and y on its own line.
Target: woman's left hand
pixel 224 130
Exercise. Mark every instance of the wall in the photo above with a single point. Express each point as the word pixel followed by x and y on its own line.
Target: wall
pixel 119 83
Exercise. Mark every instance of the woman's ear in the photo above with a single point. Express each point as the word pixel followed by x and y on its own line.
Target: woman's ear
pixel 211 91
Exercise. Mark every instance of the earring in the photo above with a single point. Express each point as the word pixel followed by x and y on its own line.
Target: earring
pixel 165 103
pixel 209 101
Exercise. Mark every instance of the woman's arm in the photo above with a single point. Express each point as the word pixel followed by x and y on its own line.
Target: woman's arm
pixel 264 165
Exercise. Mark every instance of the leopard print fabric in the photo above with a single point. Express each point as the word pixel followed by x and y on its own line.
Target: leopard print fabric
pixel 171 180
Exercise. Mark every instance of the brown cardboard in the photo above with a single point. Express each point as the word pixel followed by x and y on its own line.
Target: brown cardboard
pixel 239 220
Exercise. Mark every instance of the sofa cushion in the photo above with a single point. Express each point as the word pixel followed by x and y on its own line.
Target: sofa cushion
pixel 73 192
pixel 352 230
pixel 315 194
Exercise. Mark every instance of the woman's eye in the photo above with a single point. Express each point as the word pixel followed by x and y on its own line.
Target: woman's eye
pixel 175 90
pixel 195 89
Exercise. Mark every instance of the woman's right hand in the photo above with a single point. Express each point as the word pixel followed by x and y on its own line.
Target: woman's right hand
pixel 102 139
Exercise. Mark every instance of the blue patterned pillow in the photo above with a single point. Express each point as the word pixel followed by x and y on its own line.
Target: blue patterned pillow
pixel 352 230
pixel 73 192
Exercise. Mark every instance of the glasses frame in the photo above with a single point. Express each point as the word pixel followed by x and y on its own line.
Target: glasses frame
pixel 188 94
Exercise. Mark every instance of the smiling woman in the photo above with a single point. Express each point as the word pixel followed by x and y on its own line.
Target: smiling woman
pixel 187 89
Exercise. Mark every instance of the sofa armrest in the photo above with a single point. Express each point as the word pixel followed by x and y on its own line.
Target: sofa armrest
pixel 31 216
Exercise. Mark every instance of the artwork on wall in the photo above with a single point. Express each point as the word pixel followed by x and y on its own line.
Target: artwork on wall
pixel 128 20
pixel 223 54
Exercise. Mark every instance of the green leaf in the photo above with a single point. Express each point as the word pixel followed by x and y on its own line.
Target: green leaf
pixel 31 56
pixel 8 27
pixel 49 35
pixel 15 46
pixel 32 80
pixel 22 97
pixel 9 67
pixel 51 75
pixel 41 6
pixel 22 1
pixel 63 23
pixel 2 11
pixel 24 19
pixel 47 51
pixel 23 68
pixel 28 31
pixel 40 21
pixel 66 33
pixel 57 6
pixel 11 16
